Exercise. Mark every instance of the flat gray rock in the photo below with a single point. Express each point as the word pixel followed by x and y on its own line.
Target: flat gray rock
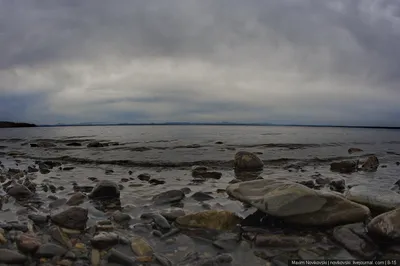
pixel 277 198
pixel 375 198
pixel 298 204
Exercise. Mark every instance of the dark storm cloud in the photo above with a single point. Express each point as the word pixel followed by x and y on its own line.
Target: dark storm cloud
pixel 333 61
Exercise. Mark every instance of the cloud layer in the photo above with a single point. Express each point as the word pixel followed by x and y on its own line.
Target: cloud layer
pixel 281 61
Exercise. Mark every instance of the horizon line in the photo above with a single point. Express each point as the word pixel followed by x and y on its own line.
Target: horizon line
pixel 213 124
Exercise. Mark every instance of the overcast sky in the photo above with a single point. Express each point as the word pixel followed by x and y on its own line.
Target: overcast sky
pixel 279 61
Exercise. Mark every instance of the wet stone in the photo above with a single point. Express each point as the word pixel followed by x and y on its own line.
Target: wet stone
pixel 38 219
pixel 95 144
pixel 57 203
pixel 105 190
pixel 158 219
pixel 173 214
pixel 124 180
pixel 144 177
pixel 282 241
pixel 120 258
pixel 28 243
pixel 109 171
pixel 76 199
pixel 104 240
pixel 201 196
pixel 344 166
pixel 338 185
pixel 120 217
pixel 168 197
pixel 247 161
pixel 68 168
pixel 349 236
pixel 11 257
pixel 72 218
pixel 156 182
pixel 19 192
pixel 227 241
pixel 49 250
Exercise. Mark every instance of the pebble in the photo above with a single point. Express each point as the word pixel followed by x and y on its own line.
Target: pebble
pixel 168 197
pixel 57 203
pixel 28 243
pixel 173 214
pixel 3 240
pixel 76 199
pixel 72 218
pixel 11 257
pixel 95 257
pixel 49 250
pixel 201 196
pixel 158 219
pixel 120 258
pixel 104 240
pixel 120 217
pixel 156 181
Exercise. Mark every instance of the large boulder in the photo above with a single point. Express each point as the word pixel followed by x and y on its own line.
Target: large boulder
pixel 344 166
pixel 377 199
pixel 71 218
pixel 298 204
pixel 216 220
pixel 386 225
pixel 371 164
pixel 105 190
pixel 247 161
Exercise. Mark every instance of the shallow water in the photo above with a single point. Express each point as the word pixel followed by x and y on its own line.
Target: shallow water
pixel 168 153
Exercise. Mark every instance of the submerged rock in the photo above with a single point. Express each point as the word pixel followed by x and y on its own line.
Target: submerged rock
pixel 72 218
pixel 344 166
pixel 169 197
pixel 95 144
pixel 277 240
pixel 173 214
pixel 354 239
pixel 338 185
pixel 76 199
pixel 218 220
pixel 298 204
pixel 201 196
pixel 386 225
pixel 144 177
pixel 8 256
pixel 142 249
pixel 371 164
pixel 244 160
pixel 380 200
pixel 19 192
pixel 105 190
pixel 120 258
pixel 354 150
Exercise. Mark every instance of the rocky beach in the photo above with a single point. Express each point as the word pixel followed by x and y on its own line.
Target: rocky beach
pixel 197 195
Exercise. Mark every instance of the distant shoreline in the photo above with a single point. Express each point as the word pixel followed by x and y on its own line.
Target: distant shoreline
pixel 216 124
pixel 6 124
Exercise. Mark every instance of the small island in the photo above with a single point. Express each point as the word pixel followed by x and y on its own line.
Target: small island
pixel 6 124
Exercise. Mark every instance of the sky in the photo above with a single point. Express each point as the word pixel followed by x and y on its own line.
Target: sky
pixel 132 61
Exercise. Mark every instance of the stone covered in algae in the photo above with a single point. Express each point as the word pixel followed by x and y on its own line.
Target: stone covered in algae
pixel 217 220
